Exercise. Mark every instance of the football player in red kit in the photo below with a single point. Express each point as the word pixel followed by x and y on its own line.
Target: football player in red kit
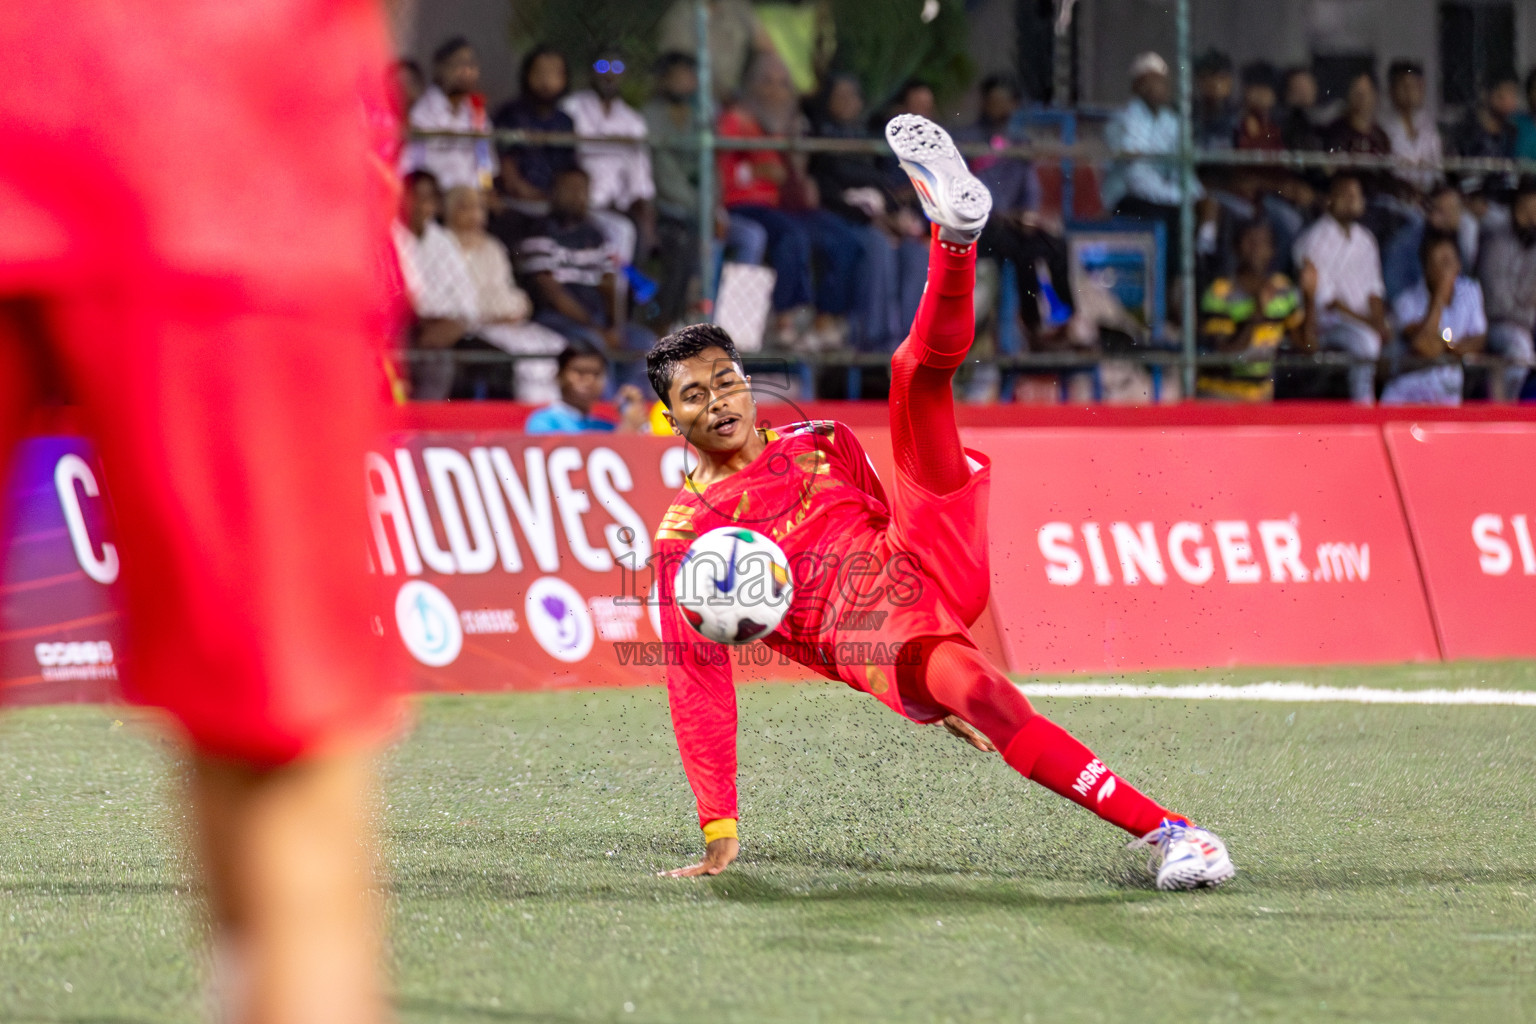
pixel 914 559
pixel 192 224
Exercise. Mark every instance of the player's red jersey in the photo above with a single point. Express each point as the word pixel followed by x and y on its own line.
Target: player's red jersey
pixel 871 573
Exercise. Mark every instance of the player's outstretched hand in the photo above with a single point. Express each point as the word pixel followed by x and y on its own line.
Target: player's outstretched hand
pixel 958 726
pixel 717 856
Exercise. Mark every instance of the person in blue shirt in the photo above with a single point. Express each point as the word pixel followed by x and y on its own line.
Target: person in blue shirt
pixel 582 376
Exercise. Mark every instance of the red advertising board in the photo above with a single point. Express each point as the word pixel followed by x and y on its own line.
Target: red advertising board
pixel 1122 549
pixel 1470 493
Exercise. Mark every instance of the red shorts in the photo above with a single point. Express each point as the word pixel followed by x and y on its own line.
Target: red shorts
pixel 189 255
pixel 945 538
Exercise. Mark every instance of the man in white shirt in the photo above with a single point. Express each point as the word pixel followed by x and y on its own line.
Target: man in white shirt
pixel 438 284
pixel 620 173
pixel 1442 318
pixel 452 104
pixel 1410 128
pixel 1340 269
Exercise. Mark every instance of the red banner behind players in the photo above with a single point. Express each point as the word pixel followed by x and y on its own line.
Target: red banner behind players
pixel 1471 501
pixel 1147 548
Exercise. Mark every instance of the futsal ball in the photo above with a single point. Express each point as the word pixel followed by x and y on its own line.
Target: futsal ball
pixel 734 585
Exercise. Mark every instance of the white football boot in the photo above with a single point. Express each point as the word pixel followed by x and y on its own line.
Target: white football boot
pixel 1192 857
pixel 952 196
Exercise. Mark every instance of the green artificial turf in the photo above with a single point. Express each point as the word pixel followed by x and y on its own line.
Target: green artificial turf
pixel 1387 859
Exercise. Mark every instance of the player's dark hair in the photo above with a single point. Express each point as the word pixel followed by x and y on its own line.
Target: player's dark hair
pixel 1432 241
pixel 578 349
pixel 661 363
pixel 447 48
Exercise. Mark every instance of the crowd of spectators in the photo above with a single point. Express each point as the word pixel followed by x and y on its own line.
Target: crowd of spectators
pixel 1404 270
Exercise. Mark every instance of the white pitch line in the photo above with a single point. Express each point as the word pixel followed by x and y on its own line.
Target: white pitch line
pixel 1283 693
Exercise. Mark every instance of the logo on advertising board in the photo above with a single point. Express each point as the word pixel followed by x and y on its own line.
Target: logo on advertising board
pixel 429 624
pixel 90 659
pixel 558 618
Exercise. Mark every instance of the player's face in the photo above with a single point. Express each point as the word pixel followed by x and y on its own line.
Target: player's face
pixel 712 404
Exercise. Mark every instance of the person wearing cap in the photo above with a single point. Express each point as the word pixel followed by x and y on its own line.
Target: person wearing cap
pixel 1139 186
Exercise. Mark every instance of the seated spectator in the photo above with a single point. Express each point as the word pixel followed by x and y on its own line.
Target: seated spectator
pixel 503 310
pixel 1411 130
pixel 1507 270
pixel 528 172
pixel 1148 189
pixel 908 221
pixel 671 116
pixel 582 378
pixel 1252 314
pixel 1215 110
pixel 622 189
pixel 452 104
pixel 1141 188
pixel 1401 267
pixel 736 36
pixel 438 284
pixel 1489 128
pixel 853 186
pixel 1525 121
pixel 1256 125
pixel 570 272
pixel 1016 233
pixel 408 84
pixel 1356 132
pixel 1442 319
pixel 1298 125
pixel 766 187
pixel 1340 269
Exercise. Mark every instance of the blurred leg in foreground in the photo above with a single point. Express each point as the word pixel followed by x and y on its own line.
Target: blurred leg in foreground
pixel 217 321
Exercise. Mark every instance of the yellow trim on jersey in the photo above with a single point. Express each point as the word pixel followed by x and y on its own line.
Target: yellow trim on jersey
pixel 720 828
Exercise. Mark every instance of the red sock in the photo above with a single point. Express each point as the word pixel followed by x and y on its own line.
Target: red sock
pixel 1046 753
pixel 924 435
pixel 945 324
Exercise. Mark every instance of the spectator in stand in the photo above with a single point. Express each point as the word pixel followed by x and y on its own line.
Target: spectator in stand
pixel 853 186
pixel 622 189
pixel 1143 188
pixel 765 187
pixel 672 115
pixel 1507 269
pixel 1525 121
pixel 582 376
pixel 1411 130
pixel 438 284
pixel 567 264
pixel 1401 267
pixel 1257 128
pixel 1356 132
pixel 1215 110
pixel 503 310
pixel 452 104
pixel 1341 277
pixel 1489 128
pixel 1252 314
pixel 1298 125
pixel 528 172
pixel 908 221
pixel 1442 319
pixel 736 36
pixel 1016 233
pixel 409 83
